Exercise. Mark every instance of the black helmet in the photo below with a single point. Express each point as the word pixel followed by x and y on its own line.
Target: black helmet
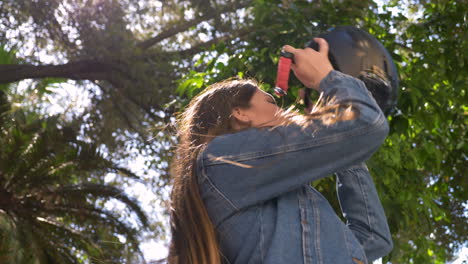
pixel 357 53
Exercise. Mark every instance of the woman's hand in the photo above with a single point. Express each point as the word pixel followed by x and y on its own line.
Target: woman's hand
pixel 310 66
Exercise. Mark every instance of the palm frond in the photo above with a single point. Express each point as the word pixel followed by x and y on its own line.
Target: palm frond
pixel 52 196
pixel 85 215
pixel 70 239
pixel 4 108
pixel 104 191
pixel 54 251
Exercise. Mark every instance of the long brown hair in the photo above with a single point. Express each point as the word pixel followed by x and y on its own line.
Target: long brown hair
pixel 208 115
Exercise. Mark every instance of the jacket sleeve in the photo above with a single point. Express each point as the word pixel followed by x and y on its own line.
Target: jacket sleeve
pixel 256 165
pixel 361 207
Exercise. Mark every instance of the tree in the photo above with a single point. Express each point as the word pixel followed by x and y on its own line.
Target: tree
pixel 125 53
pixel 52 196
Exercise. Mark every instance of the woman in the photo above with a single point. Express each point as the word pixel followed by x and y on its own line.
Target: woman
pixel 243 167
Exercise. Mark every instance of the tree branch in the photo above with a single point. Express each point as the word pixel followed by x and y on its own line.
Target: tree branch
pixel 204 45
pixel 145 108
pixel 79 70
pixel 183 27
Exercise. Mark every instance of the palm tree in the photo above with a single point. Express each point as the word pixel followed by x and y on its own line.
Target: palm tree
pixel 52 197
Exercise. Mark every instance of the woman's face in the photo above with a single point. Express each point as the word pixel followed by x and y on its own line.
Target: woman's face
pixel 262 112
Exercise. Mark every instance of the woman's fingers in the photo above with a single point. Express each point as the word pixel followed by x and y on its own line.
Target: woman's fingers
pixel 309 65
pixel 323 46
pixel 289 48
pixel 292 50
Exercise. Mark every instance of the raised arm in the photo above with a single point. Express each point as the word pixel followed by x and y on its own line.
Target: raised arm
pixel 257 164
pixel 363 211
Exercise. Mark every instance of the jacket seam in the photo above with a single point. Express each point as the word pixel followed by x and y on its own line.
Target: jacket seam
pixel 213 185
pixel 346 239
pixel 368 214
pixel 304 145
pixel 316 214
pixel 306 247
pixel 261 235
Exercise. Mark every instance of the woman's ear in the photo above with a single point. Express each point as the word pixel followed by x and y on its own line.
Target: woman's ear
pixel 240 115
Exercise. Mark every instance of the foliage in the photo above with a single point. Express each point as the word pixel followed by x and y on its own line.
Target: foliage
pixel 6 57
pixel 52 196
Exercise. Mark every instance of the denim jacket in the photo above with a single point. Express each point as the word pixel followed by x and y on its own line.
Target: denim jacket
pixel 256 187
